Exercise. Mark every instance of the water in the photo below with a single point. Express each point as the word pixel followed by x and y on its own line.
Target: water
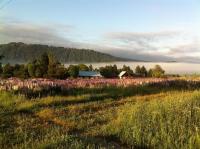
pixel 170 68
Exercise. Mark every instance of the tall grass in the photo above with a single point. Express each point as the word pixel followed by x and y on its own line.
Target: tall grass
pixel 33 124
pixel 170 122
pixel 145 117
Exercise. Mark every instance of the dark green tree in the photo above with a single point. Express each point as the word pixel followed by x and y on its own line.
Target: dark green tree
pixel 1 69
pixel 52 59
pixel 25 73
pixel 73 71
pixel 157 71
pixel 17 70
pixel 52 70
pixel 83 67
pixel 38 72
pixel 109 71
pixel 143 71
pixel 31 69
pixel 7 71
pixel 53 66
pixel 61 72
pixel 138 70
pixel 44 62
pixel 20 71
pixel 150 73
pixel 91 67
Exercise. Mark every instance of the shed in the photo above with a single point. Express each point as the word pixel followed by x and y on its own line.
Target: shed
pixel 122 74
pixel 89 74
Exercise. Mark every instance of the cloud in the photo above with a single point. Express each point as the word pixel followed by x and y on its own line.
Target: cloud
pixel 34 33
pixel 164 45
pixel 186 49
pixel 149 46
pixel 141 36
pixel 142 42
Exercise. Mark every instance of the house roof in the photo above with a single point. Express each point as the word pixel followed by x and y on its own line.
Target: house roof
pixel 89 74
pixel 122 73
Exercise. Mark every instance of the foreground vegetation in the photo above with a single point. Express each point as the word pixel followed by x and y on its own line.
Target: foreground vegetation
pixel 112 117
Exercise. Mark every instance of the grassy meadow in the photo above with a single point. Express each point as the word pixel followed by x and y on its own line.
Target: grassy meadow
pixel 110 117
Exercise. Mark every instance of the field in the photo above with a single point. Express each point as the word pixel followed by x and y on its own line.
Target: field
pixel 143 116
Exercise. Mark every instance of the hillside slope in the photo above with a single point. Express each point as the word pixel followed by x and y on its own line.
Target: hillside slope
pixel 21 53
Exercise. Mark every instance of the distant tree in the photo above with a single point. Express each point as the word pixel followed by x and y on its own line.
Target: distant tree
pixel 38 72
pixel 7 71
pixel 73 71
pixel 61 73
pixel 150 73
pixel 138 70
pixel 52 59
pixel 1 57
pixel 91 67
pixel 16 70
pixel 1 69
pixel 44 62
pixel 20 71
pixel 83 67
pixel 143 71
pixel 157 71
pixel 57 71
pixel 52 71
pixel 31 69
pixel 25 73
pixel 54 67
pixel 109 71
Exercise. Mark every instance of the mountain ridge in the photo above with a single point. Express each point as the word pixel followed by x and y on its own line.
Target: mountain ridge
pixel 18 52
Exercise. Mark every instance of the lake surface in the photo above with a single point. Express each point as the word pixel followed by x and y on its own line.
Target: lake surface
pixel 170 68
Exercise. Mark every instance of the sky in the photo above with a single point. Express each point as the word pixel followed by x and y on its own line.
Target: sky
pixel 152 30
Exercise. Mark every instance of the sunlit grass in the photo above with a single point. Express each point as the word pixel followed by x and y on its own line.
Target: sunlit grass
pixel 106 118
pixel 169 122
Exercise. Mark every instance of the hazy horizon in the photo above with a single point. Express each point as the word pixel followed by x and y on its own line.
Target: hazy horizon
pixel 145 30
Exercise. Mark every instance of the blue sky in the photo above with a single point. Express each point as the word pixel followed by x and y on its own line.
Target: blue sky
pixel 136 27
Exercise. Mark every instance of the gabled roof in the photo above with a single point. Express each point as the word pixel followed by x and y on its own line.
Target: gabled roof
pixel 89 74
pixel 122 73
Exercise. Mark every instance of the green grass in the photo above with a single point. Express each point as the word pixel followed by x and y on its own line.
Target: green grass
pixel 172 121
pixel 114 117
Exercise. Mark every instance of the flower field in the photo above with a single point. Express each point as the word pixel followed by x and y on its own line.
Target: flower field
pixel 15 83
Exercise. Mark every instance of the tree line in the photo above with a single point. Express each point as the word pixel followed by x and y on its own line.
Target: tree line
pixel 47 66
pixel 113 71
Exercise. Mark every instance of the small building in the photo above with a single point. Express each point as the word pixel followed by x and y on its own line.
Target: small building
pixel 89 74
pixel 122 74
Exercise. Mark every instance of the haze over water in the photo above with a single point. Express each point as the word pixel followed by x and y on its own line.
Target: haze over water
pixel 170 68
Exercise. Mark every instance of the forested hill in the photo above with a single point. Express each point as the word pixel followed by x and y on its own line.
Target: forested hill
pixel 22 53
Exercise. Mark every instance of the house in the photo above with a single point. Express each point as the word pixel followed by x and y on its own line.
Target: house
pixel 122 74
pixel 89 74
